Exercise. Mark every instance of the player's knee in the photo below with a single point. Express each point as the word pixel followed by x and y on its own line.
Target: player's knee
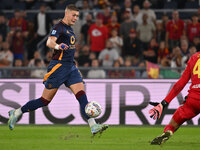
pixel 45 101
pixel 178 119
pixel 79 94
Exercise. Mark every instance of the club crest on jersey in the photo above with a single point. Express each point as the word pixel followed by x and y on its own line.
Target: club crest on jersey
pixel 49 85
pixel 53 32
pixel 67 31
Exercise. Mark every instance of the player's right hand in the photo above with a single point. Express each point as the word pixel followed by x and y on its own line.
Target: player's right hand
pixel 63 46
pixel 156 112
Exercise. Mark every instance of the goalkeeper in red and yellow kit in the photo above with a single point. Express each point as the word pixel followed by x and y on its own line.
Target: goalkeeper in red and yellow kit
pixel 191 106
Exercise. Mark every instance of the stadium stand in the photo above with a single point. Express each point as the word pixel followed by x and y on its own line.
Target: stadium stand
pixel 108 8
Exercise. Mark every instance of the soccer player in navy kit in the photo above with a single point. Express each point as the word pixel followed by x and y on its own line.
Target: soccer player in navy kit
pixel 61 70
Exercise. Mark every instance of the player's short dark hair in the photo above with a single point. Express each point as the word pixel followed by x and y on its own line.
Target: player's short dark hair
pixel 72 7
pixel 195 14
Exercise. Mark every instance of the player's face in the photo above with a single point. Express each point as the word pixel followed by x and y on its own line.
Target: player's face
pixel 193 50
pixel 195 19
pixel 72 17
pixel 175 15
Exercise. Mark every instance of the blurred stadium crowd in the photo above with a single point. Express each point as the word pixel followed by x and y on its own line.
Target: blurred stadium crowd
pixel 110 33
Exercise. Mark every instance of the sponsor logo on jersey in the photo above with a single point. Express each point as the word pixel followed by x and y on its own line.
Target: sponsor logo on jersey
pixel 196 86
pixel 72 39
pixel 72 46
pixel 96 32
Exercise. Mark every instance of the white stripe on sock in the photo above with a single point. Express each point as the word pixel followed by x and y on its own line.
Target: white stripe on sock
pixel 18 112
pixel 91 122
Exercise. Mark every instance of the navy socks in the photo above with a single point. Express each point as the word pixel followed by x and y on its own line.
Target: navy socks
pixel 82 99
pixel 41 102
pixel 34 104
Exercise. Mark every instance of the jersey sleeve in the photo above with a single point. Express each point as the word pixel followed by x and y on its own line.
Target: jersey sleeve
pixel 179 85
pixel 55 31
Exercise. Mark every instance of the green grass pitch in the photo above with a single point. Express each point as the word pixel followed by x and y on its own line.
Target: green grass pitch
pixel 62 137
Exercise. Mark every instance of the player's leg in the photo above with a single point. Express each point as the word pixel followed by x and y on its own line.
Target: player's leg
pixel 78 90
pixel 46 98
pixel 183 113
pixel 52 81
pixel 32 105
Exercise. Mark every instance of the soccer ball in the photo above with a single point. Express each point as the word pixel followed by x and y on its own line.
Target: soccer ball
pixel 93 109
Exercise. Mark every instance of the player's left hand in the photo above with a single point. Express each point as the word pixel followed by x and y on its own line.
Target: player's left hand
pixel 156 112
pixel 63 46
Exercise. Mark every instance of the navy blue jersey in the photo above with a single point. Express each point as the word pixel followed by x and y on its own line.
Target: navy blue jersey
pixel 64 34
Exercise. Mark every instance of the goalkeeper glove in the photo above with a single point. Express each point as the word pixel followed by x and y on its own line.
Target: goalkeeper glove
pixel 156 112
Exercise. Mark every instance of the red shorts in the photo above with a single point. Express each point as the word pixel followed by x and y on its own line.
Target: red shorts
pixel 187 111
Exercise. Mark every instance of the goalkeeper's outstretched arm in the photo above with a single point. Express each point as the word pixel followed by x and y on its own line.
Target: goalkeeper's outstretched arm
pixel 156 111
pixel 179 85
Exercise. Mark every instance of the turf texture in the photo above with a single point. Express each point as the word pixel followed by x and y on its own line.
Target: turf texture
pixel 54 137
